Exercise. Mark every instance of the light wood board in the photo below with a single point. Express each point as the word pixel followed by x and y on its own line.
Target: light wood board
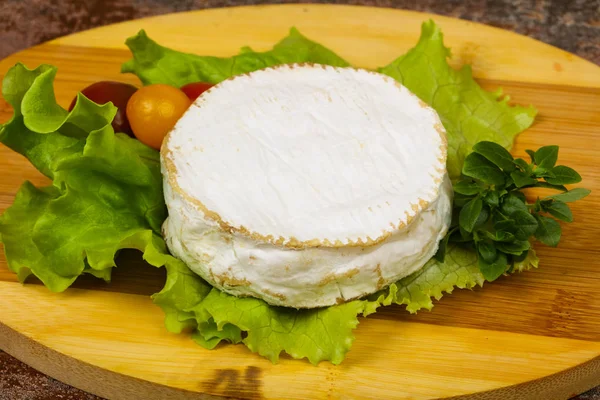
pixel 534 335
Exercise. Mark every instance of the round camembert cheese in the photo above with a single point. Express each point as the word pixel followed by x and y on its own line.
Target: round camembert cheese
pixel 306 185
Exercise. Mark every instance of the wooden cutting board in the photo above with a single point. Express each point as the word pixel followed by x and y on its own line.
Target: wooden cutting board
pixel 534 335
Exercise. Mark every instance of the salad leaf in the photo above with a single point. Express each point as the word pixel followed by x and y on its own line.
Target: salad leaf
pixel 469 113
pixel 563 175
pixel 478 167
pixel 545 157
pixel 496 154
pixel 316 334
pixel 548 231
pixel 106 188
pixel 458 270
pixel 182 291
pixel 492 270
pixel 571 195
pixel 18 221
pixel 469 214
pixel 153 63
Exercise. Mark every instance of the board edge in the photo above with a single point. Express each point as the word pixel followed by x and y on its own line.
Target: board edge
pixel 93 379
pixel 87 377
pixel 564 384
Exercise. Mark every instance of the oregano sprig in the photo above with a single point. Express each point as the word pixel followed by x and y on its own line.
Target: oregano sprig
pixel 491 212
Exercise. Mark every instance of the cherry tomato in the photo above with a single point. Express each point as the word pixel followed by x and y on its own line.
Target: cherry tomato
pixel 116 92
pixel 153 111
pixel 194 90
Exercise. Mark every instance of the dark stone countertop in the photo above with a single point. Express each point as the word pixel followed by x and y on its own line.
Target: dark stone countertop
pixel 573 25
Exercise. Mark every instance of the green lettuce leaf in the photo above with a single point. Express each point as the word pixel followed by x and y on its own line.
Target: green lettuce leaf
pixel 315 334
pixel 459 270
pixel 469 113
pixel 323 334
pixel 106 188
pixel 153 63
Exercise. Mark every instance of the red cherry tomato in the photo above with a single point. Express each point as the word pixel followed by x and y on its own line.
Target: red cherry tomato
pixel 153 111
pixel 194 90
pixel 116 92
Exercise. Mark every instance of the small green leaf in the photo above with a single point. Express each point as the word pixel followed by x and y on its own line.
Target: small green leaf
pixel 526 168
pixel 507 225
pixel 548 231
pixel 520 195
pixel 496 154
pixel 492 199
pixel 571 195
pixel 503 236
pixel 487 250
pixel 512 203
pixel 469 214
pixel 516 248
pixel 492 271
pixel 484 215
pixel 543 173
pixel 525 224
pixel 460 200
pixel 543 205
pixel 478 167
pixel 467 188
pixel 560 210
pixel 537 207
pixel 499 236
pixel 564 176
pixel 545 157
pixel 531 154
pixel 522 179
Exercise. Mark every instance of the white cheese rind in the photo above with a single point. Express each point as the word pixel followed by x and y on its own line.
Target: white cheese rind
pixel 306 185
pixel 313 277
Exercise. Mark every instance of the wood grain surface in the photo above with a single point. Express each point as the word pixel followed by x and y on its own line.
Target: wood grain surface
pixel 533 335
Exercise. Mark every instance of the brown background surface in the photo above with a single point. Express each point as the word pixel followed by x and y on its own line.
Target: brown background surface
pixel 573 25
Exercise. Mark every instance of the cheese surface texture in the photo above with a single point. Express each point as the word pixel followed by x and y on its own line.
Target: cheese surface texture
pixel 306 186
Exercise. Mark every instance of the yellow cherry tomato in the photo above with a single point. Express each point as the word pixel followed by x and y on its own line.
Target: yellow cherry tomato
pixel 153 111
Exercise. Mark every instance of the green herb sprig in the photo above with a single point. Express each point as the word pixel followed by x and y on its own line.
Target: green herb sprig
pixel 491 212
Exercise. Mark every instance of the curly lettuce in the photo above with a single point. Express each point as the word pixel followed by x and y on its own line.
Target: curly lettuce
pixel 106 188
pixel 153 63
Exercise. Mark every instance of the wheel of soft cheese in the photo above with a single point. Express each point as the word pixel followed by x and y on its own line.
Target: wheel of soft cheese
pixel 306 185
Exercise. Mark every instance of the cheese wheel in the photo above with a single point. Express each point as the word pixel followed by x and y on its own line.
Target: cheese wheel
pixel 306 185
